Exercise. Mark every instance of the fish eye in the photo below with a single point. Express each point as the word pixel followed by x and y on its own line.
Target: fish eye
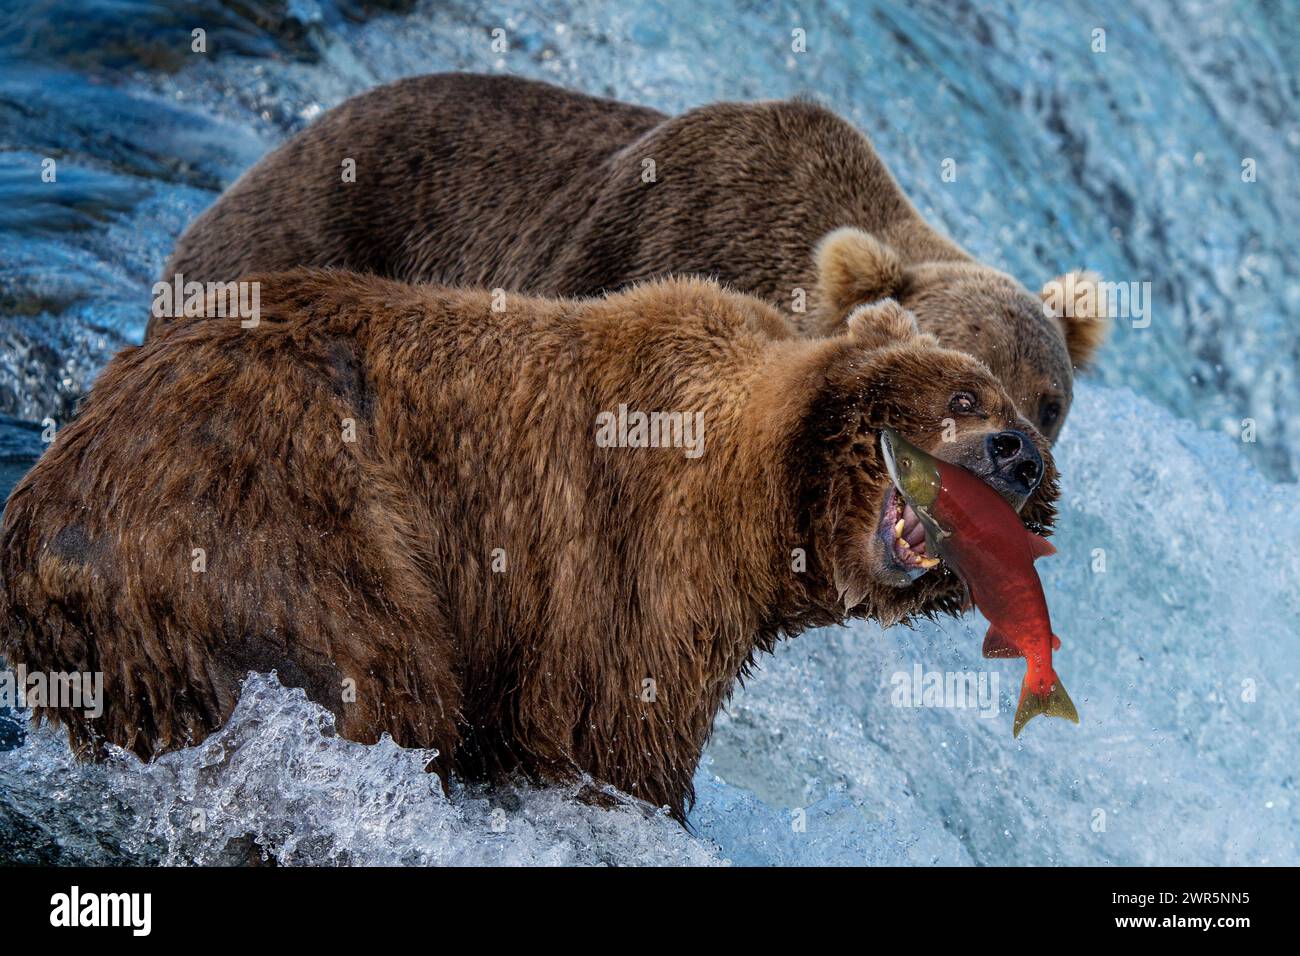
pixel 1050 414
pixel 964 403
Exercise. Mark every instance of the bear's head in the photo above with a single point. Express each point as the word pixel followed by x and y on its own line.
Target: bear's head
pixel 1032 344
pixel 883 372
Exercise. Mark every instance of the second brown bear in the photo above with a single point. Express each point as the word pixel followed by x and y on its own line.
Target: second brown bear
pixel 495 181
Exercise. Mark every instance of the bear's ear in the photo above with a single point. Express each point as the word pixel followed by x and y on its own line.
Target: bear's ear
pixel 882 323
pixel 1076 301
pixel 853 267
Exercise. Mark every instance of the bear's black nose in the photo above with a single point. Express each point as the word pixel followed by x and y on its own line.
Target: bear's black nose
pixel 1015 460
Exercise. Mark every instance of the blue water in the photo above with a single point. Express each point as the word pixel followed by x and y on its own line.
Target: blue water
pixel 1182 654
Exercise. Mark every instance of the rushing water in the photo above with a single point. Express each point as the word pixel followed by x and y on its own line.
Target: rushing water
pixel 1176 587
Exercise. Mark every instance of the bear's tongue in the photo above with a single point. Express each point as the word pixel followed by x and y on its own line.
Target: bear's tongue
pixel 909 539
pixel 913 531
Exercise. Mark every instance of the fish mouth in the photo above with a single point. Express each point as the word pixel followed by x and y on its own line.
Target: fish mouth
pixel 900 526
pixel 904 536
pixel 887 452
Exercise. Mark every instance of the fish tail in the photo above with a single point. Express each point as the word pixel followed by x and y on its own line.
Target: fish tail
pixel 1055 703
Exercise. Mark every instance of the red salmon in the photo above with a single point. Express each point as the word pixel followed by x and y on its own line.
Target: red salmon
pixel 976 533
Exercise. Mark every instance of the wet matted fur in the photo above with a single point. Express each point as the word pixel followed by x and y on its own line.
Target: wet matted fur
pixel 401 506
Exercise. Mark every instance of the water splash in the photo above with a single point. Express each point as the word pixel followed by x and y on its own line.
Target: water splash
pixel 276 784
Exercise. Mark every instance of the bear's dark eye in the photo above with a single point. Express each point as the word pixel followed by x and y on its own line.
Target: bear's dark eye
pixel 1050 414
pixel 964 403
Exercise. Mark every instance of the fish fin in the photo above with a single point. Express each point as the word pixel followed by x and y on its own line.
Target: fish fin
pixel 1056 703
pixel 997 644
pixel 1056 643
pixel 1039 546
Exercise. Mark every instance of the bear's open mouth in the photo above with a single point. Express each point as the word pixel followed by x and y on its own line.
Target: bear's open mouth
pixel 903 533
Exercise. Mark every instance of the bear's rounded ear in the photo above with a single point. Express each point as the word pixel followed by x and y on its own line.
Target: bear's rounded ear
pixel 1076 301
pixel 882 323
pixel 853 267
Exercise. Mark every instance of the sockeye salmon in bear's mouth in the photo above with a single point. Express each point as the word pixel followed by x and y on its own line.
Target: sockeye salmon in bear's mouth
pixel 902 530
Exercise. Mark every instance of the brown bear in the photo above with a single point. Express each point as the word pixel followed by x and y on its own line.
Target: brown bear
pixel 496 181
pixel 463 526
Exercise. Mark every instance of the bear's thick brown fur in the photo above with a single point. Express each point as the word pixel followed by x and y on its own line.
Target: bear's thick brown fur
pixel 495 181
pixel 491 580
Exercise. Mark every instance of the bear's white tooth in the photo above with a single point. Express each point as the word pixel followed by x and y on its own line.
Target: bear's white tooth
pixel 898 528
pixel 928 562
